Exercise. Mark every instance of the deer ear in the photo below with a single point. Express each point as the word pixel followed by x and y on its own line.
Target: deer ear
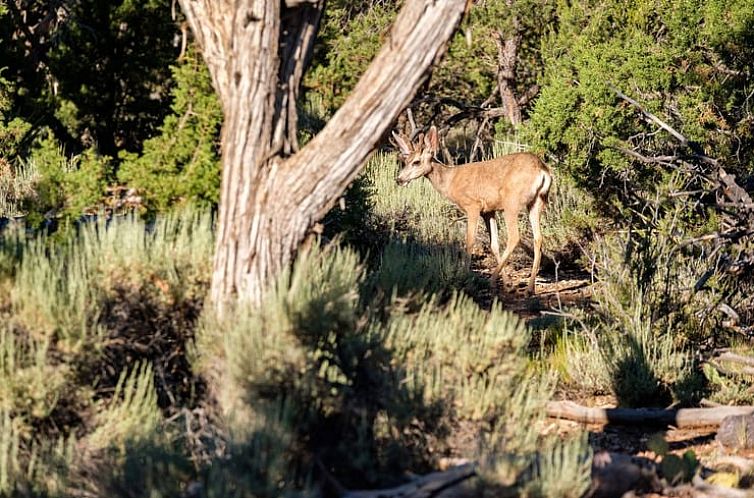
pixel 402 144
pixel 431 140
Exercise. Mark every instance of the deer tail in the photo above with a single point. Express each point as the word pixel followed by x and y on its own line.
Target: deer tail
pixel 545 182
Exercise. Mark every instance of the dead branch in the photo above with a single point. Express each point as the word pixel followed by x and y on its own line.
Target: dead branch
pixel 684 417
pixel 664 160
pixel 662 124
pixel 733 191
pixel 731 373
pixel 422 487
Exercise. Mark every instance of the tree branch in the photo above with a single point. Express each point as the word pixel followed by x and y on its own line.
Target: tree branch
pixel 214 26
pixel 684 141
pixel 333 158
pixel 300 22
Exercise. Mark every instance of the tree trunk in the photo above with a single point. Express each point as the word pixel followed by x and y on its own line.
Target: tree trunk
pixel 507 58
pixel 256 51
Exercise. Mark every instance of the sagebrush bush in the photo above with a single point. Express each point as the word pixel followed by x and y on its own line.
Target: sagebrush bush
pixel 60 291
pixel 561 469
pixel 339 364
pixel 644 319
pixel 16 186
pixel 92 344
pixel 132 414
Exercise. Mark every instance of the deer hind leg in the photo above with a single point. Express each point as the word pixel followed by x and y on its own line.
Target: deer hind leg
pixel 491 222
pixel 472 222
pixel 535 215
pixel 511 227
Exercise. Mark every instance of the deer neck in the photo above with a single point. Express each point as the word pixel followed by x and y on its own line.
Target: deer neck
pixel 440 177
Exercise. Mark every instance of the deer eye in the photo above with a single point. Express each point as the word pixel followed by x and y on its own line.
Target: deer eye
pixel 415 162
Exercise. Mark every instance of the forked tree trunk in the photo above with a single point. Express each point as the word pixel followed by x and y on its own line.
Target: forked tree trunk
pixel 256 51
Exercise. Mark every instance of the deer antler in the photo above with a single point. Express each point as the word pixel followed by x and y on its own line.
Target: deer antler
pixel 414 129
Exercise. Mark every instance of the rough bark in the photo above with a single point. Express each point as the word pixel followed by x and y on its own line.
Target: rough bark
pixel 271 193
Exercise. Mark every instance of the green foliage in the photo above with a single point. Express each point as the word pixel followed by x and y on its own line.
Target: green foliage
pixel 94 82
pixel 469 70
pixel 110 64
pixel 48 182
pixel 674 469
pixel 55 185
pixel 353 32
pixel 343 58
pixel 181 164
pixel 656 54
pixel 12 128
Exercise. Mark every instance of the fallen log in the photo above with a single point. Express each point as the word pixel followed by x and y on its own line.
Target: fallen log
pixel 421 487
pixel 683 417
pixel 735 358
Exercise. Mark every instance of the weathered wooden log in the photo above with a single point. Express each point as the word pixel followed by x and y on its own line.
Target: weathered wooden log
pixel 735 358
pixel 683 417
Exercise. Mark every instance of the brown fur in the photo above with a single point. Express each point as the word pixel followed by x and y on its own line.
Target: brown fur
pixel 508 184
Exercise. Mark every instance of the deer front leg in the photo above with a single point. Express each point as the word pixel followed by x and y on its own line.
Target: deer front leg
pixel 491 222
pixel 473 220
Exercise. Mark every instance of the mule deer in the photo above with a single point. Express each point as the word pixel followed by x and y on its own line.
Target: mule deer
pixel 508 184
